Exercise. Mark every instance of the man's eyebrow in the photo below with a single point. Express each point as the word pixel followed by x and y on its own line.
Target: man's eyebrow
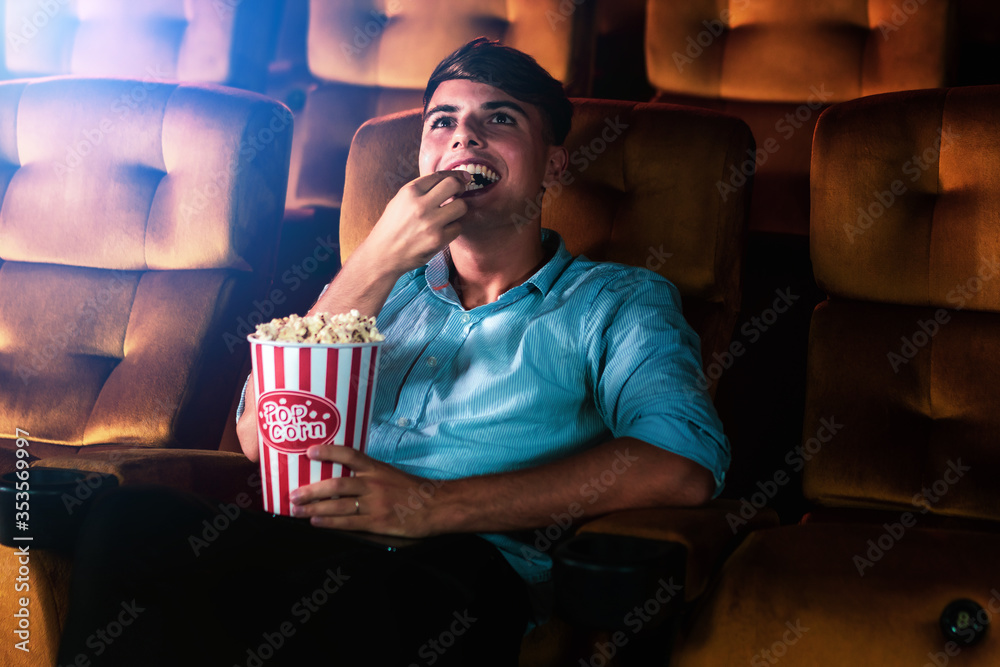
pixel 441 108
pixel 505 104
pixel 487 106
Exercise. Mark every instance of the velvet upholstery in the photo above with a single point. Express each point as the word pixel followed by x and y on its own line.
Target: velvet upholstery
pixel 796 593
pixel 776 64
pixel 215 41
pixel 932 252
pixel 134 232
pixel 372 58
pixel 648 197
pixel 137 224
pixel 898 452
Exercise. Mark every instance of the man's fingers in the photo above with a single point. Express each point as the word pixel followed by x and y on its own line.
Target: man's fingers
pixel 348 456
pixel 442 184
pixel 324 489
pixel 328 507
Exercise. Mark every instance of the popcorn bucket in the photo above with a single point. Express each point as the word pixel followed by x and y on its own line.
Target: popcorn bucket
pixel 309 394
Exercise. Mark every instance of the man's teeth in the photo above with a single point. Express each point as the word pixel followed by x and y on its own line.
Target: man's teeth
pixel 481 176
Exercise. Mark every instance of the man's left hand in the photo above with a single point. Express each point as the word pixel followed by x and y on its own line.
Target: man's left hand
pixel 374 500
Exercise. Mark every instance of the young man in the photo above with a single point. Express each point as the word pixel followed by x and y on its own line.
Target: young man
pixel 513 379
pixel 453 277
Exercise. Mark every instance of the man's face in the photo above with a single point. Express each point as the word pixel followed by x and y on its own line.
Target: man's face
pixel 477 127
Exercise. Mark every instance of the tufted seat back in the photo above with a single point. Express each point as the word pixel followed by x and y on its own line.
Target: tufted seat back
pixel 778 63
pixel 899 449
pixel 374 58
pixel 217 41
pixel 906 215
pixel 639 189
pixel 137 223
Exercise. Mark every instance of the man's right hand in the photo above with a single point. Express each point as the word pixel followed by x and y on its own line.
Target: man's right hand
pixel 417 223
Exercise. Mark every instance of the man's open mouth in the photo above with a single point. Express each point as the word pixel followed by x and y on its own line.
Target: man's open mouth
pixel 482 176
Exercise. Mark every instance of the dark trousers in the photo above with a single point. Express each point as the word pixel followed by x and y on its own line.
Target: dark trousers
pixel 165 578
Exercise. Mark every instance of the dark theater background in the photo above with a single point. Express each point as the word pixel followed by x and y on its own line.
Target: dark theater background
pixel 819 178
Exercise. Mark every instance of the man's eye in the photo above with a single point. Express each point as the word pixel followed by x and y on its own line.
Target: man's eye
pixel 503 119
pixel 441 122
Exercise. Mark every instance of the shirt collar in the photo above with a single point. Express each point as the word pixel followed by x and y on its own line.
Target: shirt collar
pixel 437 269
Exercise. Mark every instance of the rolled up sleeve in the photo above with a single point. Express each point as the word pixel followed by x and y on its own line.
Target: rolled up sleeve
pixel 645 365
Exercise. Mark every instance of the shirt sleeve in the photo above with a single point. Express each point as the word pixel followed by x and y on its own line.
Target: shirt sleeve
pixel 645 365
pixel 243 400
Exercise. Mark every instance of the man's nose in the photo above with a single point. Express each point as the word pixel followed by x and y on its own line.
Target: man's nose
pixel 466 136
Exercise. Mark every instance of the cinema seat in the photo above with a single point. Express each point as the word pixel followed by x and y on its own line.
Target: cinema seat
pixel 215 41
pixel 641 191
pixel 137 225
pixel 777 64
pixel 898 450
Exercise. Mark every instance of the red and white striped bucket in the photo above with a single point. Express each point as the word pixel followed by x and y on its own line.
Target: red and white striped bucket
pixel 309 394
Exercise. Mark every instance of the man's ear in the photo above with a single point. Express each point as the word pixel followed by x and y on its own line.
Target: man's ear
pixel 555 165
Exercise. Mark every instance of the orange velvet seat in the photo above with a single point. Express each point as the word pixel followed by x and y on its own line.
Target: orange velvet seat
pixel 898 453
pixel 214 41
pixel 778 64
pixel 137 226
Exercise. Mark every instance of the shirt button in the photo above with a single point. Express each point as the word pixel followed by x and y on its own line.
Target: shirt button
pixel 432 361
pixel 466 318
pixel 403 421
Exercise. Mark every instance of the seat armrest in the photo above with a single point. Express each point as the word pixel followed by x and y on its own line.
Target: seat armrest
pixel 222 476
pixel 709 532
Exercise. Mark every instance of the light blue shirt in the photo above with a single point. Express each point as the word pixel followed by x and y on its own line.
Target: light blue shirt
pixel 580 353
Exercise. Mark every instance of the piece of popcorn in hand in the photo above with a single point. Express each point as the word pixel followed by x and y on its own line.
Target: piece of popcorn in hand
pixel 349 327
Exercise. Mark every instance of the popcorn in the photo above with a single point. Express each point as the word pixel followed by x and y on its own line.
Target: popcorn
pixel 349 327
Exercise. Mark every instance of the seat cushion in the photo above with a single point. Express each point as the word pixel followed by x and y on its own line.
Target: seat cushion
pixel 847 594
pixel 905 197
pixel 898 397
